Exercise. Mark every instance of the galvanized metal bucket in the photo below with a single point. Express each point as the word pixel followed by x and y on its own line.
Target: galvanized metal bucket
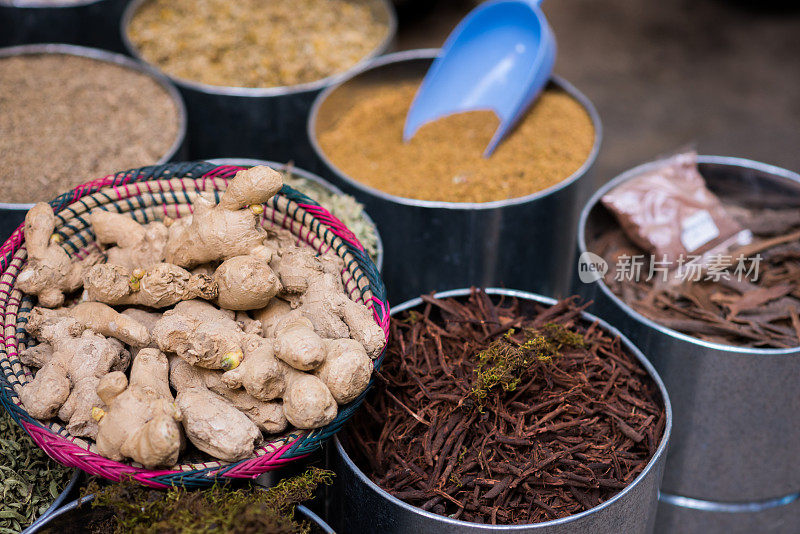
pixel 359 505
pixel 267 123
pixel 737 410
pixel 525 242
pixel 82 22
pixel 311 178
pixel 12 215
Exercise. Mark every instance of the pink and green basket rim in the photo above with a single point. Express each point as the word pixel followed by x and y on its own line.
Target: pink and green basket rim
pixel 280 451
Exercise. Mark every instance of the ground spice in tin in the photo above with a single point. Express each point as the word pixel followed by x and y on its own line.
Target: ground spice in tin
pixel 729 308
pixel 257 43
pixel 66 120
pixel 505 412
pixel 444 160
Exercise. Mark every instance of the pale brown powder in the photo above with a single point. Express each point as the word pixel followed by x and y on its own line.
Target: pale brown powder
pixel 66 120
pixel 257 43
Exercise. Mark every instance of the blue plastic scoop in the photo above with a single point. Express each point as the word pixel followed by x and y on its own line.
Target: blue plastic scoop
pixel 498 58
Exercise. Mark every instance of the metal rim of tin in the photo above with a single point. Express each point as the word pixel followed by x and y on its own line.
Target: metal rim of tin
pixel 312 178
pixel 524 295
pixel 56 4
pixel 432 53
pixel 630 312
pixel 114 59
pixel 255 92
pixel 725 507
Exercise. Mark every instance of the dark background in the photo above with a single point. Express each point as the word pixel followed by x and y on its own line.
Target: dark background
pixel 721 76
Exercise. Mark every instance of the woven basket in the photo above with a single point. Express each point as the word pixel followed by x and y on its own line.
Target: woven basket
pixel 148 194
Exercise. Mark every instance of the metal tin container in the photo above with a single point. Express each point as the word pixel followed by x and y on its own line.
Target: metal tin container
pixel 359 505
pixel 737 409
pixel 281 167
pixel 12 215
pixel 246 122
pixel 525 242
pixel 82 22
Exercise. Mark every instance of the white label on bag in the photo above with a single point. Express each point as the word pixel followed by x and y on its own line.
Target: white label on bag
pixel 697 230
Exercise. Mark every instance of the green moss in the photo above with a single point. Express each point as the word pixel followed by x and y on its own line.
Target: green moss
pixel 558 333
pixel 412 317
pixel 504 363
pixel 142 510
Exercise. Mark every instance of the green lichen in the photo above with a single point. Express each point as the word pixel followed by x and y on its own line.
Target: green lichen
pixel 558 333
pixel 141 510
pixel 504 363
pixel 412 317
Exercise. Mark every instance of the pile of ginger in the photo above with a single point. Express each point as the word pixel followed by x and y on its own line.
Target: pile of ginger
pixel 208 328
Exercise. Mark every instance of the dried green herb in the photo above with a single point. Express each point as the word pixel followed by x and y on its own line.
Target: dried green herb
pixel 343 207
pixel 29 480
pixel 137 509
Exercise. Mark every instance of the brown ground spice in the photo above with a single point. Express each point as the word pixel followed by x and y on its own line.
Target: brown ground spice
pixel 444 160
pixel 65 120
pixel 257 43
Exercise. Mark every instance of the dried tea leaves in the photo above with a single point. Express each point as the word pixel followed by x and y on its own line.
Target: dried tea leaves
pixel 29 480
pixel 444 160
pixel 506 413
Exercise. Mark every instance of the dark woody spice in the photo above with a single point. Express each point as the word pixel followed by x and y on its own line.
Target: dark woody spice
pixel 733 309
pixel 506 412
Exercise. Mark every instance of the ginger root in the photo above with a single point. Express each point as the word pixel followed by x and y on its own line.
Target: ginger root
pixel 346 370
pixel 211 422
pixel 137 245
pixel 246 282
pixel 342 364
pixel 296 343
pixel 50 273
pixel 229 229
pixel 240 283
pixel 160 286
pixel 308 349
pixel 97 317
pixel 66 384
pixel 307 402
pixel 313 286
pixel 141 420
pixel 268 416
pixel 200 334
